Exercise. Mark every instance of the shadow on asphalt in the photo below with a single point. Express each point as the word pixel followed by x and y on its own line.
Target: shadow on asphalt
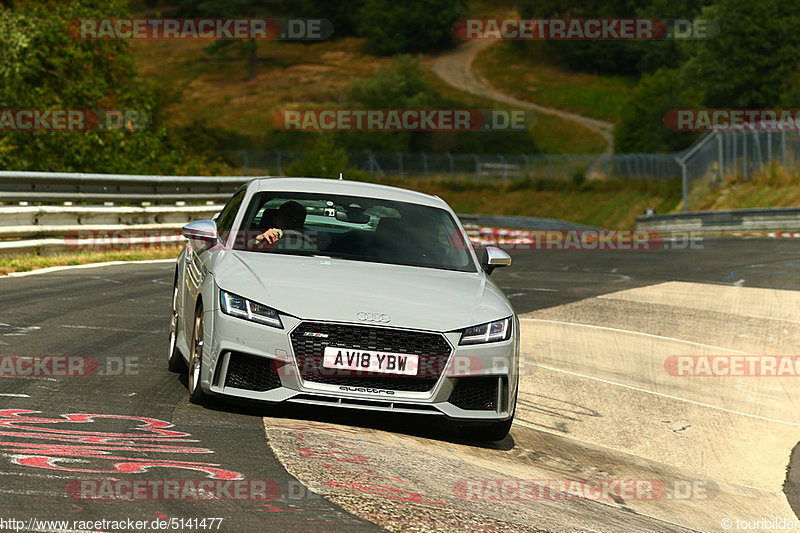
pixel 427 427
pixel 791 486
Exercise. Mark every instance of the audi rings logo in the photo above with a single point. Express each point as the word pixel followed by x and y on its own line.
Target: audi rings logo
pixel 374 317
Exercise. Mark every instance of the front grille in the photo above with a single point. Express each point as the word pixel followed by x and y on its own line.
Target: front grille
pixel 251 373
pixel 475 393
pixel 432 348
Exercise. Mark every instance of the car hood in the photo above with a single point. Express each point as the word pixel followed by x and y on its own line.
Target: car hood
pixel 316 288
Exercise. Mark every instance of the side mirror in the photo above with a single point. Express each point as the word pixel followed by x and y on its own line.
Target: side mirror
pixel 216 216
pixel 201 233
pixel 494 257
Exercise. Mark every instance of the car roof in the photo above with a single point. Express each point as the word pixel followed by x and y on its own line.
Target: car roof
pixel 347 187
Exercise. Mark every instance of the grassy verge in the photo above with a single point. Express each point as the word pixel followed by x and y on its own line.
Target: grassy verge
pixel 612 205
pixel 27 262
pixel 532 76
pixel 775 186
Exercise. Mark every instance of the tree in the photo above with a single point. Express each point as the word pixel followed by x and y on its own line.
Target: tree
pixel 641 127
pixel 750 63
pixel 610 57
pixel 234 9
pixel 666 53
pixel 44 67
pixel 393 27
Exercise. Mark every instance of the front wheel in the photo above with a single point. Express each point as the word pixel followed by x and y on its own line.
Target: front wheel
pixel 196 394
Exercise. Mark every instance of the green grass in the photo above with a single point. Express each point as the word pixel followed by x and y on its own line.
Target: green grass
pixel 28 262
pixel 612 205
pixel 552 135
pixel 775 186
pixel 533 76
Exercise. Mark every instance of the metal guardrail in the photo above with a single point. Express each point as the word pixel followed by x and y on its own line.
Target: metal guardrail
pixel 38 229
pixel 46 229
pixel 18 186
pixel 734 220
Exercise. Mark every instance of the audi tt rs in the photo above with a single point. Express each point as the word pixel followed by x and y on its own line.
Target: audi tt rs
pixel 345 294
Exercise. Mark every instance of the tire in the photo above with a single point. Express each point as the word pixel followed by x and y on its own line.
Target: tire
pixel 487 432
pixel 196 394
pixel 175 363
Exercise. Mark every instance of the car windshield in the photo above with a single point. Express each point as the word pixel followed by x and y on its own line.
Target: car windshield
pixel 355 228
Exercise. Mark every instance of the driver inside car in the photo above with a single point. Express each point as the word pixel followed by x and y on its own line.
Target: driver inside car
pixel 290 216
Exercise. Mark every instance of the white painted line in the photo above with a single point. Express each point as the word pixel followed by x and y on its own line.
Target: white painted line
pixel 539 289
pixel 633 333
pixel 12 395
pixel 108 328
pixel 663 395
pixel 49 270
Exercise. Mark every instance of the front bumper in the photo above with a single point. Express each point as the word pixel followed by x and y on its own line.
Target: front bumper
pixel 255 362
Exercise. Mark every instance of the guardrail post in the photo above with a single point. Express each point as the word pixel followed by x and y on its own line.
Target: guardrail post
pixel 769 147
pixel 783 148
pixel 684 183
pixel 744 156
pixel 424 164
pixel 527 165
pixel 477 167
pixel 757 149
pixel 721 157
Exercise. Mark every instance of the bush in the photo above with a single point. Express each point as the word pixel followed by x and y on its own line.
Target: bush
pixel 323 160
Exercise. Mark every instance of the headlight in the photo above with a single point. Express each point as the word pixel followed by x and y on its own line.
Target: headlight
pixel 499 330
pixel 243 308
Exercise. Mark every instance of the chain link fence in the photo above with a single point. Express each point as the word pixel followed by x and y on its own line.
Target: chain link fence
pixel 738 154
pixel 477 166
pixel 720 153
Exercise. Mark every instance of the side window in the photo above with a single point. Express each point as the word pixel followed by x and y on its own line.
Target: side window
pixel 228 214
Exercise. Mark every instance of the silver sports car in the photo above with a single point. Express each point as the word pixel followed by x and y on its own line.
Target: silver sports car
pixel 347 294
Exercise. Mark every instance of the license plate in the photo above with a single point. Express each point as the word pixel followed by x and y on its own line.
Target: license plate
pixel 371 361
